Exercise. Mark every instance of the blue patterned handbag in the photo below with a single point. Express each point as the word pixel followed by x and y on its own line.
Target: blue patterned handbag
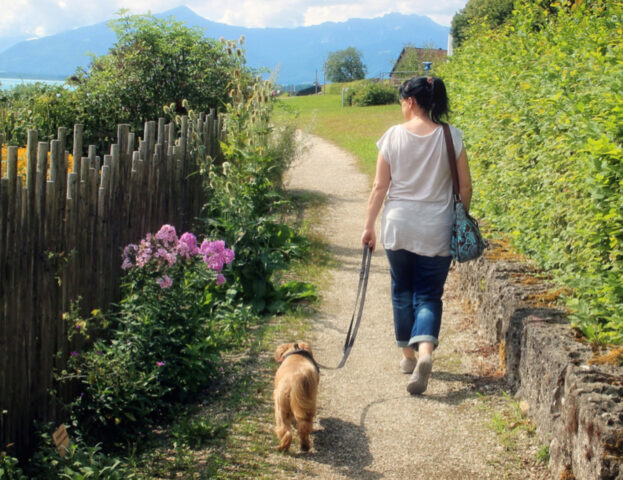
pixel 467 242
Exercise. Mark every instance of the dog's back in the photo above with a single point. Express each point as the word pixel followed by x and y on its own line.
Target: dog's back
pixel 295 394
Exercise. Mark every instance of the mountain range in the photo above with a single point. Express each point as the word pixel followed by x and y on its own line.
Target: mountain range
pixel 296 54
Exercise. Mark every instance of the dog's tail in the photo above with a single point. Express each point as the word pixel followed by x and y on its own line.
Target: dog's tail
pixel 303 404
pixel 303 398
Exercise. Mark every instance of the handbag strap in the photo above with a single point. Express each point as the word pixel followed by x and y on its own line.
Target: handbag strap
pixel 452 160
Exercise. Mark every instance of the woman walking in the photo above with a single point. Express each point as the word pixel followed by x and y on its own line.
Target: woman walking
pixel 413 179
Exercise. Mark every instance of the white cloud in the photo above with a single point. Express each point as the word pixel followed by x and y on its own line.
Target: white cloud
pixel 41 17
pixel 251 13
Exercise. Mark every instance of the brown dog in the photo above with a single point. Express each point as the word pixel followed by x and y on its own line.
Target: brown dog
pixel 296 389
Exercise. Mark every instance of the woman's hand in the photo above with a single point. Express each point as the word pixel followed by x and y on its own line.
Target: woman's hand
pixel 369 238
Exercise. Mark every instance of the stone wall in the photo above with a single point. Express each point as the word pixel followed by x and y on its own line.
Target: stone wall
pixel 578 407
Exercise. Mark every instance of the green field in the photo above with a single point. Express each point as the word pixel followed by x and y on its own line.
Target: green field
pixel 356 129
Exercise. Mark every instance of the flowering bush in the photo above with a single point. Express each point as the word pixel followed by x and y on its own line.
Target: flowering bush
pixel 173 320
pixel 164 250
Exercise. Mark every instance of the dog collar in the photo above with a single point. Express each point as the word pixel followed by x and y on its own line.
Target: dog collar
pixel 300 351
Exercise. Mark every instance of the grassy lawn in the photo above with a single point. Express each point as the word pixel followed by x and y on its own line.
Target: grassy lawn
pixel 355 129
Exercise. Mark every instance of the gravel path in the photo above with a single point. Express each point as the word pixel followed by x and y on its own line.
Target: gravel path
pixel 368 426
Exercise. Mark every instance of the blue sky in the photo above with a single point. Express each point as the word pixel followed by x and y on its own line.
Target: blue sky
pixel 37 18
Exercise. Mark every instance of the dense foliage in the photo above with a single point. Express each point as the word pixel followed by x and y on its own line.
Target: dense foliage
pixel 185 302
pixel 155 62
pixel 247 202
pixel 542 113
pixel 40 106
pixel 345 65
pixel 491 13
pixel 371 93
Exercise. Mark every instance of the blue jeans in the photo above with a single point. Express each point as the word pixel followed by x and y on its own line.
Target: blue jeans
pixel 417 287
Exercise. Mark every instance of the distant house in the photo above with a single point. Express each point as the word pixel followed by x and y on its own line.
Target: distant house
pixel 410 63
pixel 309 90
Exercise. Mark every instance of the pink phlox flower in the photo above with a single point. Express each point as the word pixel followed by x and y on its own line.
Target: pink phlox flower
pixel 129 252
pixel 167 235
pixel 165 281
pixel 220 279
pixel 214 262
pixel 187 245
pixel 161 364
pixel 228 255
pixel 215 255
pixel 143 258
pixel 74 353
pixel 209 248
pixel 171 258
pixel 145 251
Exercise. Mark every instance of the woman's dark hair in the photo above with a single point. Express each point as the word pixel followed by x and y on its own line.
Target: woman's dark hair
pixel 429 93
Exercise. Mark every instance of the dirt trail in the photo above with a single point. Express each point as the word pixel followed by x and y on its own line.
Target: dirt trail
pixel 368 426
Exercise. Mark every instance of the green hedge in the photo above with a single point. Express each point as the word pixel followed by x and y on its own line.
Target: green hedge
pixel 541 105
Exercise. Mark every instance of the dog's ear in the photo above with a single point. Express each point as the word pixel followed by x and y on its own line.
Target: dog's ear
pixel 281 349
pixel 305 346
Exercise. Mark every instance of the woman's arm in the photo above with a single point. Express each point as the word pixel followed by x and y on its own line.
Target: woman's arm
pixel 375 201
pixel 465 179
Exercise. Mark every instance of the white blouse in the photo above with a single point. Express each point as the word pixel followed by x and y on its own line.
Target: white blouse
pixel 419 208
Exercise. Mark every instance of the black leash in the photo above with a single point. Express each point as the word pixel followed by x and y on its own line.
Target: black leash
pixel 359 301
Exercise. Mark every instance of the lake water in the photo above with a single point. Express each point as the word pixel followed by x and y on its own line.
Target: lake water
pixel 7 83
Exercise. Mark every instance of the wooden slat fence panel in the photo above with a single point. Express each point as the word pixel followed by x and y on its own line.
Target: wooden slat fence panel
pixel 61 237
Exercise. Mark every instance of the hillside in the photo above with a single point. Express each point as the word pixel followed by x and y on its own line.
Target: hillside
pixel 297 53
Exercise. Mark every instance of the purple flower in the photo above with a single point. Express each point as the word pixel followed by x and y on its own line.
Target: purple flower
pixel 170 258
pixel 167 234
pixel 220 279
pixel 165 281
pixel 213 262
pixel 74 353
pixel 128 253
pixel 187 245
pixel 209 248
pixel 228 255
pixel 161 364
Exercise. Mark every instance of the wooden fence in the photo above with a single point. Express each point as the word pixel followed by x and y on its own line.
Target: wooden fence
pixel 61 238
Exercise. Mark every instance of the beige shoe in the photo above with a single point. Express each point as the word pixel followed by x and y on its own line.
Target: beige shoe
pixel 419 380
pixel 407 365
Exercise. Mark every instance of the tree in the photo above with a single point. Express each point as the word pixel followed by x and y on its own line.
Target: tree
pixel 345 65
pixel 155 62
pixel 492 13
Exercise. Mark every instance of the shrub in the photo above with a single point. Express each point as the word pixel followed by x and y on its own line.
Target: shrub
pixel 38 105
pixel 246 202
pixel 80 461
pixel 164 342
pixel 376 93
pixel 154 62
pixel 542 118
